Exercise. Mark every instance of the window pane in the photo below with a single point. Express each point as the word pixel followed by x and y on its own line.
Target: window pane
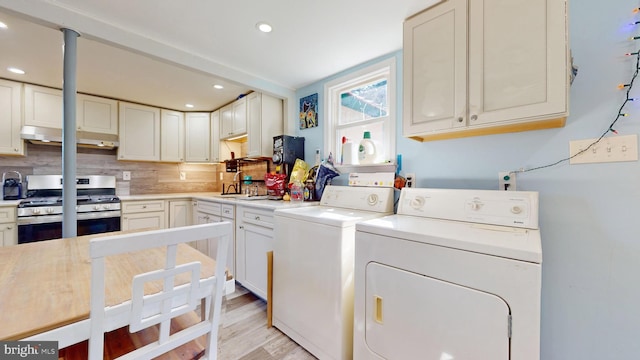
pixel 364 102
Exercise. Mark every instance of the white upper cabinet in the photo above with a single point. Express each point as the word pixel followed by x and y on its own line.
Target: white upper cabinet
pixel 171 136
pixel 481 67
pixel 264 121
pixel 139 132
pixel 233 119
pixel 10 118
pixel 198 131
pixel 42 106
pixel 215 136
pixel 96 114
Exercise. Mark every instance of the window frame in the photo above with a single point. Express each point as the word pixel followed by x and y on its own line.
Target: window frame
pixel 335 87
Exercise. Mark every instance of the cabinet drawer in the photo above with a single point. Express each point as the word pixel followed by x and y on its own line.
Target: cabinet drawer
pixel 129 207
pixel 257 217
pixel 7 215
pixel 208 207
pixel 227 211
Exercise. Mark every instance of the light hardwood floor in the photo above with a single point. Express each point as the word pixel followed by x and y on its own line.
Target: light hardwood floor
pixel 244 334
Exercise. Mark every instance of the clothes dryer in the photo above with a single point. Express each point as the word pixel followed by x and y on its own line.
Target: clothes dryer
pixel 455 274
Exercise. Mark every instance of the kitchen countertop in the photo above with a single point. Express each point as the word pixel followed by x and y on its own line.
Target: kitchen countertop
pixel 240 200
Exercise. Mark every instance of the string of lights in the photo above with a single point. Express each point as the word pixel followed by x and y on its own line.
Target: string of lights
pixel 628 86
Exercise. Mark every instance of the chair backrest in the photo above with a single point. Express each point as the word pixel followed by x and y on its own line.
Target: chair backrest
pixel 172 286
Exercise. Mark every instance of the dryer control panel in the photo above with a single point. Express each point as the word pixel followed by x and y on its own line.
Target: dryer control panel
pixel 506 208
pixel 376 199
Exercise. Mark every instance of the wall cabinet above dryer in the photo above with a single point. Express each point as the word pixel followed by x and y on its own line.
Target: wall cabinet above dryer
pixel 476 67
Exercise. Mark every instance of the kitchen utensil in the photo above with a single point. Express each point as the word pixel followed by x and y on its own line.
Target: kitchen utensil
pixel 11 187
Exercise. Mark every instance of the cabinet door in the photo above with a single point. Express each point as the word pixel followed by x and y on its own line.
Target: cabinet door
pixel 139 132
pixel 254 128
pixel 96 114
pixel 517 64
pixel 226 121
pixel 146 220
pixel 8 234
pixel 240 116
pixel 215 136
pixel 435 68
pixel 172 136
pixel 179 213
pixel 10 118
pixel 198 128
pixel 42 106
pixel 253 243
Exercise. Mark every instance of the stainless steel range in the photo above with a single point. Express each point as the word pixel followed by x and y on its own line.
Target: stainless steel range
pixel 40 213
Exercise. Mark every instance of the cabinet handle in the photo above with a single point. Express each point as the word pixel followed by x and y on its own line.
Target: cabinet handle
pixel 258 218
pixel 474 117
pixel 16 150
pixel 144 206
pixel 9 227
pixel 241 227
pixel 460 119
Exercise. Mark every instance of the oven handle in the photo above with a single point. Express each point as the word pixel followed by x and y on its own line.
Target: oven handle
pixel 46 219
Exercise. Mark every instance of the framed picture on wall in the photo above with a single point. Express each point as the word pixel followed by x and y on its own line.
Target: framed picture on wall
pixel 309 111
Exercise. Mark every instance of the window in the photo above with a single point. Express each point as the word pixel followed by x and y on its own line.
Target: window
pixel 363 101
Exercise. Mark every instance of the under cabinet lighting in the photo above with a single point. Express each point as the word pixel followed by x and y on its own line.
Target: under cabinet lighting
pixel 188 105
pixel 264 27
pixel 16 70
pixel 3 25
pixel 218 86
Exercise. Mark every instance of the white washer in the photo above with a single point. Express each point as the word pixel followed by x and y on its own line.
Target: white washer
pixel 313 256
pixel 455 274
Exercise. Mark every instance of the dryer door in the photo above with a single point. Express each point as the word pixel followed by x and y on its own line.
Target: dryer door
pixel 411 316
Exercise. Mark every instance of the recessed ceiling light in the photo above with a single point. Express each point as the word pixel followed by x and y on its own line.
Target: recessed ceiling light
pixel 188 105
pixel 3 25
pixel 264 27
pixel 16 70
pixel 218 86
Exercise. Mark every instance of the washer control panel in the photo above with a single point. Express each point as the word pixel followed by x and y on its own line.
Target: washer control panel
pixel 377 199
pixel 507 208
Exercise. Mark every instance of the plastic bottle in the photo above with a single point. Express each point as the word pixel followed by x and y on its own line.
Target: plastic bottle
pixel 297 190
pixel 366 150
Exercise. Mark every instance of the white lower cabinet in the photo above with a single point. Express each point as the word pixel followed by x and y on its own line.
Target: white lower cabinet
pixel 254 238
pixel 8 226
pixel 205 212
pixel 149 215
pixel 179 213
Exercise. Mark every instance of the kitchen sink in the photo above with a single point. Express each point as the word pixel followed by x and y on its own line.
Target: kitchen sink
pixel 253 197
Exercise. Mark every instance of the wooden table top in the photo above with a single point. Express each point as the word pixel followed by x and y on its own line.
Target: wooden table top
pixel 45 285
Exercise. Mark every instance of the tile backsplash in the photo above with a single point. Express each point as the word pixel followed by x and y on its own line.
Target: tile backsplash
pixel 146 177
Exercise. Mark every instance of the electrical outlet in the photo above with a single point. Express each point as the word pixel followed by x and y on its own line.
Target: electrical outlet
pixel 126 175
pixel 411 180
pixel 609 149
pixel 507 180
pixel 183 175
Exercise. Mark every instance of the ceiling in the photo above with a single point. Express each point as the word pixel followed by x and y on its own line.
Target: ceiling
pixel 168 53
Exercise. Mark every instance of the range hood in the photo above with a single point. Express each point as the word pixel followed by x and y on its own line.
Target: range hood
pixel 51 136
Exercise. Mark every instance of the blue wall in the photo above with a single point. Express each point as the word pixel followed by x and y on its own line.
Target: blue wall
pixel 588 213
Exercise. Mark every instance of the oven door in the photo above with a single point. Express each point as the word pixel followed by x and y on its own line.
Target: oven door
pixel 48 227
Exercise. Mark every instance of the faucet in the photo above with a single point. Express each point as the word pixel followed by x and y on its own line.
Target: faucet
pixel 235 177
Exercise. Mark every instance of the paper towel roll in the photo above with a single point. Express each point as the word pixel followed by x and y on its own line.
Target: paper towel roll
pixel 349 154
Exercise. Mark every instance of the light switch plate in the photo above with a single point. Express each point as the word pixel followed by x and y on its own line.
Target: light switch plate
pixel 126 175
pixel 609 149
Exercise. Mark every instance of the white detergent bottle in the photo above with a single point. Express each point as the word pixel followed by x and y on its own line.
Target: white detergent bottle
pixel 366 150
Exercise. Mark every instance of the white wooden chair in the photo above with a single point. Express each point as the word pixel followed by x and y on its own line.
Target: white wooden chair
pixel 172 301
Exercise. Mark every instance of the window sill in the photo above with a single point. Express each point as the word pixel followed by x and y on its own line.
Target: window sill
pixel 385 167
